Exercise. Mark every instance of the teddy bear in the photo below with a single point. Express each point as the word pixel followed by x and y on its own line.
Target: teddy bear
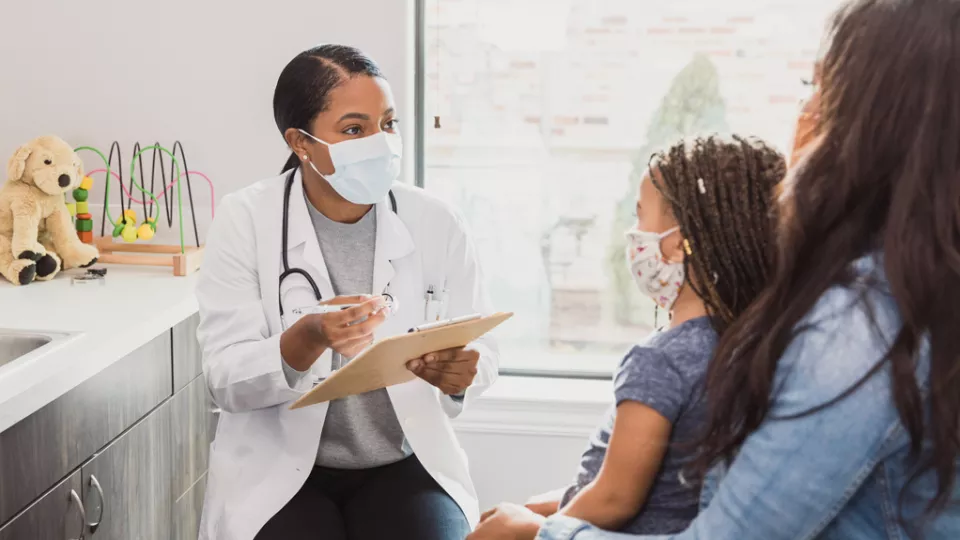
pixel 37 237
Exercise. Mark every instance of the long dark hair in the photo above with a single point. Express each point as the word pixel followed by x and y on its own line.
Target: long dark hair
pixel 721 192
pixel 305 83
pixel 884 176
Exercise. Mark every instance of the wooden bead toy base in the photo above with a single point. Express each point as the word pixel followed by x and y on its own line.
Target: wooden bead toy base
pixel 183 264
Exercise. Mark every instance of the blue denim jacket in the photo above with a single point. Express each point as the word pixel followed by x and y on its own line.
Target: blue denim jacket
pixel 832 475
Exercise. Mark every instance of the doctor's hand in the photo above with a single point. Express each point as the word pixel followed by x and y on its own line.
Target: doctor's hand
pixel 451 370
pixel 347 332
pixel 508 522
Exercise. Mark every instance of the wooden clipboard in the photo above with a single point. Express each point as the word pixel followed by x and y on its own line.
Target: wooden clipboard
pixel 385 362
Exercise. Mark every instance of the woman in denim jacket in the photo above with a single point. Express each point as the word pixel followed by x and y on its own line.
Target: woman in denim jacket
pixel 835 399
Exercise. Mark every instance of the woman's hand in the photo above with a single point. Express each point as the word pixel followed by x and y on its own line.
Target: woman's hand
pixel 452 370
pixel 348 332
pixel 508 522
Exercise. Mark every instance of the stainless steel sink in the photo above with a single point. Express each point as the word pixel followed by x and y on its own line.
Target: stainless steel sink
pixel 17 344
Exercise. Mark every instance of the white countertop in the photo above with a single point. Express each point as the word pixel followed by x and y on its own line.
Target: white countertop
pixel 132 306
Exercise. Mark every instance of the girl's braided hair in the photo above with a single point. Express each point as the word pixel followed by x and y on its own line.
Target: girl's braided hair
pixel 722 195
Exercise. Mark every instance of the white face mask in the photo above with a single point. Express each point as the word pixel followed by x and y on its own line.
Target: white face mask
pixel 655 276
pixel 363 169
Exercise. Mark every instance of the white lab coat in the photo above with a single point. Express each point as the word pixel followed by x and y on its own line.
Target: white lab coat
pixel 263 451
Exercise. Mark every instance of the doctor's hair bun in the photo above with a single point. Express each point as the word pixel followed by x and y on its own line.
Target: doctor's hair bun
pixel 305 83
pixel 722 193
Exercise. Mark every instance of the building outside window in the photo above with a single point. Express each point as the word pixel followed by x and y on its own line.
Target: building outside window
pixel 548 113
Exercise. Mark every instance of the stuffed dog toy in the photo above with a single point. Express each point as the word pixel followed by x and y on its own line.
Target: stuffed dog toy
pixel 37 239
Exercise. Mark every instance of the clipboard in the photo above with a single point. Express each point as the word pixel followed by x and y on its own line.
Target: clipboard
pixel 385 362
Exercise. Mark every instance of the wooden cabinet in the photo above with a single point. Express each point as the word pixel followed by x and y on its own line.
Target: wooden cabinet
pixel 186 353
pixel 129 446
pixel 57 515
pixel 134 500
pixel 194 426
pixel 193 431
pixel 46 446
pixel 187 510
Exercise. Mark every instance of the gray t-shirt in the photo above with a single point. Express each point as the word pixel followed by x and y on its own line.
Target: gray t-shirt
pixel 666 373
pixel 359 432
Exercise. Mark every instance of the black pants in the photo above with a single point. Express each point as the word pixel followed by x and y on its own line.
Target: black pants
pixel 394 502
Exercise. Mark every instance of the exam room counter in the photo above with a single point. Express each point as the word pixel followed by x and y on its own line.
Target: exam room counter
pixel 112 416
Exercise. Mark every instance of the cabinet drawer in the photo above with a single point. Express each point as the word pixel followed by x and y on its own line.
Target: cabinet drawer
pixel 44 447
pixel 186 352
pixel 55 516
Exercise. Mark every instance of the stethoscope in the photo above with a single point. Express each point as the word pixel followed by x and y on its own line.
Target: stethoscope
pixel 287 271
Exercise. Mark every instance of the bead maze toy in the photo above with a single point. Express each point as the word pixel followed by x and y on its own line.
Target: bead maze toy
pixel 80 211
pixel 182 258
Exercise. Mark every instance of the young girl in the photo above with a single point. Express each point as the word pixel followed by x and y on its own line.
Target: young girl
pixel 701 249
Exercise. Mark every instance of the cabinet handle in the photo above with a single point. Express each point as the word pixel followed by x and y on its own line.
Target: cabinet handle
pixel 216 411
pixel 93 525
pixel 83 514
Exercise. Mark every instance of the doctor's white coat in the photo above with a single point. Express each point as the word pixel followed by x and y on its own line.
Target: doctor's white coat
pixel 263 452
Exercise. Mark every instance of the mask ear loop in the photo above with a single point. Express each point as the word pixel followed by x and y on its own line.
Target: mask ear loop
pixel 306 157
pixel 656 308
pixel 308 134
pixel 668 232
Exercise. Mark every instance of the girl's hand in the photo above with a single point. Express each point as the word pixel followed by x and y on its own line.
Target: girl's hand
pixel 452 370
pixel 546 504
pixel 508 522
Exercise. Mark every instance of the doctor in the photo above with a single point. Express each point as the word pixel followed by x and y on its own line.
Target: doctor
pixel 336 228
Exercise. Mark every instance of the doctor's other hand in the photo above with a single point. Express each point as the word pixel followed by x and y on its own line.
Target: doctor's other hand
pixel 347 332
pixel 508 522
pixel 451 370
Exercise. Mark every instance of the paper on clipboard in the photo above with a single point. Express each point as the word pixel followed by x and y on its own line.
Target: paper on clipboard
pixel 385 362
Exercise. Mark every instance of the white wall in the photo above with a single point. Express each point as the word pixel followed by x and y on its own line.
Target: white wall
pixel 513 467
pixel 202 72
pixel 525 436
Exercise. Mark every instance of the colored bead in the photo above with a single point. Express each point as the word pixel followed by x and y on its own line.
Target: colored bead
pixel 80 195
pixel 145 232
pixel 83 215
pixel 82 207
pixel 84 225
pixel 130 215
pixel 86 183
pixel 85 236
pixel 129 234
pixel 117 229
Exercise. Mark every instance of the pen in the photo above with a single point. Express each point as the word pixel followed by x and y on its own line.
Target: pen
pixel 333 308
pixel 440 324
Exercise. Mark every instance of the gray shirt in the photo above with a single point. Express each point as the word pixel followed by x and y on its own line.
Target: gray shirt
pixel 361 431
pixel 665 373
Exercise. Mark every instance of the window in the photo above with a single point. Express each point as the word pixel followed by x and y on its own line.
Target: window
pixel 548 112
